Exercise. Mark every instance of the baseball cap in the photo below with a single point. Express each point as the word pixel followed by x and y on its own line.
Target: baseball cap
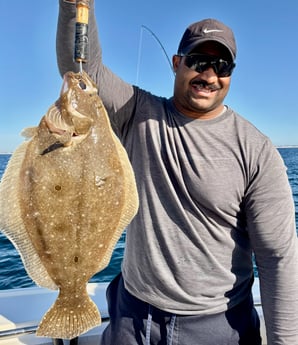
pixel 207 30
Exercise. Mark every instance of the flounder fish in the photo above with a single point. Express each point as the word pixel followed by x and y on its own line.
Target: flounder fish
pixel 65 198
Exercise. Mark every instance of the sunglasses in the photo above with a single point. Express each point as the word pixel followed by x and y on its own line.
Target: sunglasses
pixel 201 62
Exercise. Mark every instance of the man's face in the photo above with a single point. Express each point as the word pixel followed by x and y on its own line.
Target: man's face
pixel 200 95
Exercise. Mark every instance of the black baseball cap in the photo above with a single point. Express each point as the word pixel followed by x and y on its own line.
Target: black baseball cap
pixel 207 30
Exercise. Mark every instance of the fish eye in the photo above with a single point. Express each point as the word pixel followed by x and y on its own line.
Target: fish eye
pixel 82 85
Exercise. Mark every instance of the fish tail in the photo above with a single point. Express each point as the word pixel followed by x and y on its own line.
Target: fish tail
pixel 69 317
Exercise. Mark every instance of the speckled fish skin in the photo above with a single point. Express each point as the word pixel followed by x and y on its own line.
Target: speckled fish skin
pixel 69 192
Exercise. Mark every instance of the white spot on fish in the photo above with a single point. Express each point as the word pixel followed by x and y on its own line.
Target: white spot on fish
pixel 99 181
pixel 94 136
pixel 74 103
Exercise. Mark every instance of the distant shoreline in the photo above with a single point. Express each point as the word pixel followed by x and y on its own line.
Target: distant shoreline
pixel 277 146
pixel 287 146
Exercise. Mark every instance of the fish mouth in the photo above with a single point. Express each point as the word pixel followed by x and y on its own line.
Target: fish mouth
pixel 65 122
pixel 65 136
pixel 64 141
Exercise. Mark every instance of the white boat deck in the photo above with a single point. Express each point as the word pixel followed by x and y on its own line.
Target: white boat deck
pixel 22 309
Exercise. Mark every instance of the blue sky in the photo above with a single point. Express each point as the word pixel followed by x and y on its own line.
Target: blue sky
pixel 264 85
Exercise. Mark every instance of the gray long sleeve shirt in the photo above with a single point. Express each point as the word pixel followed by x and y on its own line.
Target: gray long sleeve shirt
pixel 211 193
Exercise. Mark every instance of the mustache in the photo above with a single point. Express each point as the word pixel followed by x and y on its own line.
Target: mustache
pixel 203 84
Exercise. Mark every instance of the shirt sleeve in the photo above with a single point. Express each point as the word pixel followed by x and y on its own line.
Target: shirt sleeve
pixel 271 225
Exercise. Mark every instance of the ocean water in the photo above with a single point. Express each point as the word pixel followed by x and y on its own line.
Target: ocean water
pixel 13 274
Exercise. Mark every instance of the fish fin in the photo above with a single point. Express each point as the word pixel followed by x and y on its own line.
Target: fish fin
pixel 29 132
pixel 11 223
pixel 68 318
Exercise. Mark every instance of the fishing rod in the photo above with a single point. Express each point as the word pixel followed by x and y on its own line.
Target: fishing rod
pixel 160 44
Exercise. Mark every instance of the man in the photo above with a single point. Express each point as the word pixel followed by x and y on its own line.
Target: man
pixel 212 190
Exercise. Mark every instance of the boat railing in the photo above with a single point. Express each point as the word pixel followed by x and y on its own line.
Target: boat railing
pixel 14 332
pixel 27 330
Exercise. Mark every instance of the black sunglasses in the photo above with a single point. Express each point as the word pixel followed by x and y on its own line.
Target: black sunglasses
pixel 201 62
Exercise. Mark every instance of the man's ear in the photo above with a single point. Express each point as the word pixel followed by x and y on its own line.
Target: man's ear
pixel 176 59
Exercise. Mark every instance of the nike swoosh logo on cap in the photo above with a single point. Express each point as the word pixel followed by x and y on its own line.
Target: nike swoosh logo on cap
pixel 207 31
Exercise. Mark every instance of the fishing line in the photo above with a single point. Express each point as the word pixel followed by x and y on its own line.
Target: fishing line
pixel 140 49
pixel 139 56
